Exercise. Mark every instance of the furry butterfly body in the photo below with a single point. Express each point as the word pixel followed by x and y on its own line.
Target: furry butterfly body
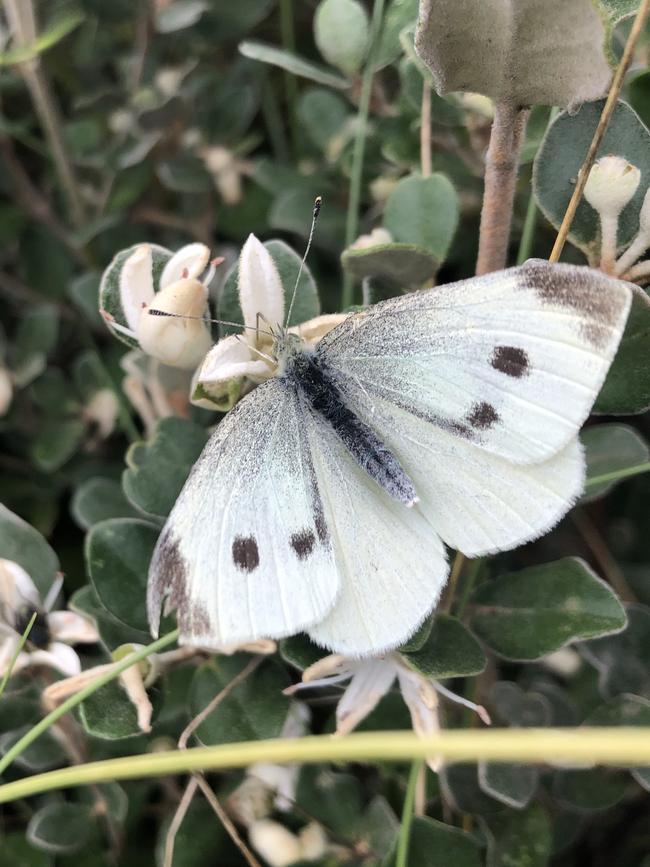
pixel 450 415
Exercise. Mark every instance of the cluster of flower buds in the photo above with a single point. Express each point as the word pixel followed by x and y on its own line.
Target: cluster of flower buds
pixel 611 186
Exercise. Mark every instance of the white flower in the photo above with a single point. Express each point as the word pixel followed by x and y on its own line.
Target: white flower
pixel 611 184
pixel 377 237
pixel 102 410
pixel 182 338
pixel 280 847
pixel 226 169
pixel 370 679
pixel 52 632
pixel 247 357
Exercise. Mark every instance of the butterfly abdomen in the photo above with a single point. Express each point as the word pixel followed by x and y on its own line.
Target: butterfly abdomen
pixel 316 385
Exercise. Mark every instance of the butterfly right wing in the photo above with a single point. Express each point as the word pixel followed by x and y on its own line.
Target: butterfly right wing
pixel 245 552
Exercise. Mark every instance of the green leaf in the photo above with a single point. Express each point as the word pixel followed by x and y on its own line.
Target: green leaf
pixel 16 852
pixel 287 261
pixel 158 468
pixel 292 63
pixel 450 651
pixel 55 30
pixel 25 545
pixel 639 95
pixel 341 29
pixel 255 709
pixel 323 115
pixel 511 784
pixel 519 839
pixel 180 15
pixel 527 614
pixel 108 713
pixel 112 632
pixel 61 827
pixel 184 174
pixel 610 448
pixel 627 387
pixel 625 710
pixel 617 10
pixel 56 442
pixel 434 844
pixel 200 841
pixel 423 212
pixel 522 54
pixel 299 651
pixel 561 155
pixel 623 660
pixel 418 640
pixel 461 789
pixel 43 754
pixel 592 789
pixel 517 708
pixel 378 827
pixel 399 15
pixel 331 798
pixel 97 499
pixel 118 552
pixel 35 338
pixel 404 266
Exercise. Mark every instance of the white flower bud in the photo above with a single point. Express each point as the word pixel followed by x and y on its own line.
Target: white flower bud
pixel 611 184
pixel 174 340
pixel 275 843
pixel 103 409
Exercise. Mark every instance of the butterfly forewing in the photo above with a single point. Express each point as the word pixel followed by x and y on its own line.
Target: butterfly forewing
pixel 245 552
pixel 511 362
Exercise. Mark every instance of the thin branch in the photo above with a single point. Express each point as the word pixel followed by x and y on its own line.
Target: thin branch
pixel 501 168
pixel 193 725
pixel 450 590
pixel 226 821
pixel 601 129
pixel 601 553
pixel 23 24
pixel 177 820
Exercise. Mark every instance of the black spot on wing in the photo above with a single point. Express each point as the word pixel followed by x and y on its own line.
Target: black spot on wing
pixel 303 543
pixel 483 416
pixel 245 553
pixel 510 360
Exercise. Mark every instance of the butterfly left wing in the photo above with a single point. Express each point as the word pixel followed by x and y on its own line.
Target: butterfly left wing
pixel 511 362
pixel 245 552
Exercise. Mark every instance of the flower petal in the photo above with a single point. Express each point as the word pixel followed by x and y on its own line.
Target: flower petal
pixel 419 694
pixel 16 589
pixel 328 666
pixel 8 643
pixel 260 287
pixel 192 259
pixel 226 365
pixel 58 656
pixel 369 684
pixel 314 329
pixel 72 628
pixel 136 284
pixel 174 340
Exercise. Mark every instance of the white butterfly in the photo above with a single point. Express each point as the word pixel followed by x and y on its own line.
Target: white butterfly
pixel 324 500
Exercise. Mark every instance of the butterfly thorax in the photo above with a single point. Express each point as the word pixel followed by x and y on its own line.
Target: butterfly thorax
pixel 321 391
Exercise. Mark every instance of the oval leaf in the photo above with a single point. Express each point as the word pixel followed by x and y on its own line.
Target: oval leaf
pixel 610 449
pixel 424 212
pixel 450 651
pixel 527 614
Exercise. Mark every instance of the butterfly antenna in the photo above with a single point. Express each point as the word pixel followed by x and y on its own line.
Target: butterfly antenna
pixel 318 201
pixel 154 312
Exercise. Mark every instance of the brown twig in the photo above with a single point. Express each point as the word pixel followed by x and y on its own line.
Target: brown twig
pixel 602 555
pixel 22 18
pixel 456 569
pixel 501 167
pixel 177 820
pixel 226 821
pixel 601 129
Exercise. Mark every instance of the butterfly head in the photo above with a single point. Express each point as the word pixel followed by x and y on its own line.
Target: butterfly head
pixel 286 345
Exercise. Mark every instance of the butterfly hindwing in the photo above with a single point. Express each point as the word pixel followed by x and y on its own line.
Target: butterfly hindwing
pixel 245 551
